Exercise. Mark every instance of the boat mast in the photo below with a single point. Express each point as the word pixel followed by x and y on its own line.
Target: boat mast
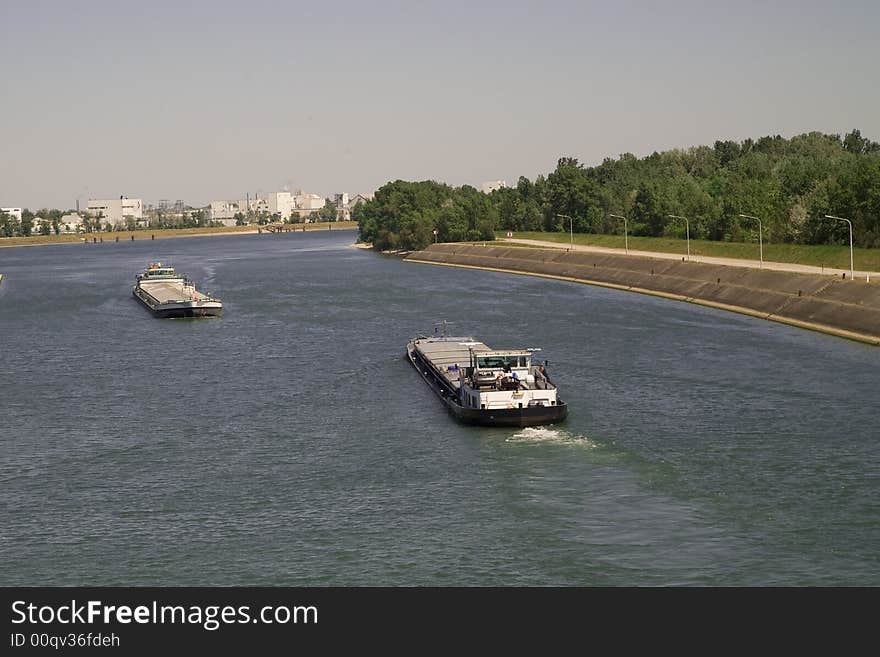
pixel 441 328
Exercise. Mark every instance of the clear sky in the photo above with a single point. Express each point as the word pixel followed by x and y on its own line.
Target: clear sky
pixel 211 100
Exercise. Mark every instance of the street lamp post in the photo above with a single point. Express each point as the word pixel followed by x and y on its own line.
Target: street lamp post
pixel 828 216
pixel 625 241
pixel 687 229
pixel 760 240
pixel 571 225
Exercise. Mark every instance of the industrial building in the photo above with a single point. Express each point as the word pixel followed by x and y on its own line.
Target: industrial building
pixel 13 212
pixel 116 211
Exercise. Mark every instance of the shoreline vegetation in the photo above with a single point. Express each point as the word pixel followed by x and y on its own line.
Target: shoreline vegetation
pixel 148 234
pixel 787 193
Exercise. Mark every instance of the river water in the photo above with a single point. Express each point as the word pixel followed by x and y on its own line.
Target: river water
pixel 290 443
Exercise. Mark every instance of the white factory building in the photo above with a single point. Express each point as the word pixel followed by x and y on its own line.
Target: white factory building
pixel 309 202
pixel 491 185
pixel 225 211
pixel 116 211
pixel 71 223
pixel 13 212
pixel 281 205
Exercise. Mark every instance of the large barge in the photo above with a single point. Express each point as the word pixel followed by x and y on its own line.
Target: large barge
pixel 168 294
pixel 484 386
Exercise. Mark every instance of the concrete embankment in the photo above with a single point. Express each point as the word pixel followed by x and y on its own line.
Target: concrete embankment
pixel 846 308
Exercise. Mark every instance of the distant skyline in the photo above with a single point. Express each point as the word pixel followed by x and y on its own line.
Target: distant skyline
pixel 213 100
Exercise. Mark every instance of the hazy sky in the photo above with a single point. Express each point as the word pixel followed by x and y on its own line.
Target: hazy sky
pixel 211 100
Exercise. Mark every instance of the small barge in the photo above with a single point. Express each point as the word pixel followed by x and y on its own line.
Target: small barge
pixel 168 294
pixel 484 386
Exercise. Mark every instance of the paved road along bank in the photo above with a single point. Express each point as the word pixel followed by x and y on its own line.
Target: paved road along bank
pixel 846 308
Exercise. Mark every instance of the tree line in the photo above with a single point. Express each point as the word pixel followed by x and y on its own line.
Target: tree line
pixel 50 222
pixel 789 184
pixel 45 222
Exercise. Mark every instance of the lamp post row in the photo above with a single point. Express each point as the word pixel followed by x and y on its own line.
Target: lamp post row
pixel 827 216
pixel 617 216
pixel 688 235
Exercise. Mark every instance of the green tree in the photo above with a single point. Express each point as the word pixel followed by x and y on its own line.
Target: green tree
pixel 649 213
pixel 27 222
pixel 328 212
pixel 856 144
pixel 8 225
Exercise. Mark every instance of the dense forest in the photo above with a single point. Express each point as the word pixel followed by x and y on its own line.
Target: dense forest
pixel 790 184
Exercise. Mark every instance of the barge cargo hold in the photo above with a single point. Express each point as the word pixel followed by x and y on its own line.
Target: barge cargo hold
pixel 483 386
pixel 168 294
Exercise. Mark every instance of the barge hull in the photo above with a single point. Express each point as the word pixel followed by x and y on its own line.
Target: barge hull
pixel 186 312
pixel 511 417
pixel 179 310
